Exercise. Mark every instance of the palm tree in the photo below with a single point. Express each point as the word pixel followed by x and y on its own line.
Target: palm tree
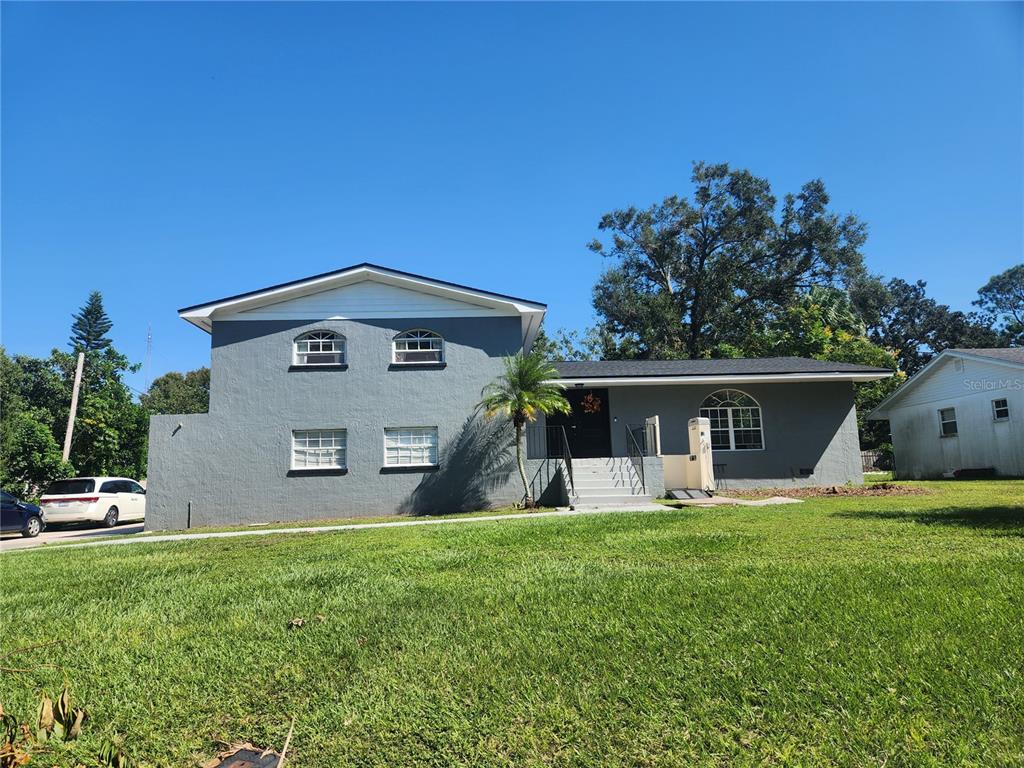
pixel 521 393
pixel 837 311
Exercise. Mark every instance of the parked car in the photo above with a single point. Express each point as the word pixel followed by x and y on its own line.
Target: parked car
pixel 106 500
pixel 15 515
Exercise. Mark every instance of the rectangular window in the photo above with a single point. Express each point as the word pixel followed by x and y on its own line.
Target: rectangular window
pixel 734 429
pixel 947 421
pixel 1001 409
pixel 410 446
pixel 719 418
pixel 319 449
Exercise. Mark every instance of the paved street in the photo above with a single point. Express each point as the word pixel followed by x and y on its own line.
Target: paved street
pixel 70 533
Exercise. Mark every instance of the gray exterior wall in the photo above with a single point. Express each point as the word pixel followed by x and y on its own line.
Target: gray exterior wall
pixel 810 425
pixel 233 464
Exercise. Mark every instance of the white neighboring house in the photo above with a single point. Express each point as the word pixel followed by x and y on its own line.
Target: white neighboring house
pixel 962 411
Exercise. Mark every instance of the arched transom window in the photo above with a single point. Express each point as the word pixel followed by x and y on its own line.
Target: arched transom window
pixel 418 347
pixel 320 348
pixel 735 421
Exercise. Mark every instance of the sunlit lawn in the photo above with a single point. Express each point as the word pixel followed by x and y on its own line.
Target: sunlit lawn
pixel 841 631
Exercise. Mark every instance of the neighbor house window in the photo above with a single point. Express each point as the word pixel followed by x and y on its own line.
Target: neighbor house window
pixel 410 446
pixel 1001 409
pixel 320 348
pixel 319 449
pixel 418 347
pixel 735 421
pixel 947 421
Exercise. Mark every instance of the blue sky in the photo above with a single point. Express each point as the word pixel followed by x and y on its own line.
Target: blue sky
pixel 171 154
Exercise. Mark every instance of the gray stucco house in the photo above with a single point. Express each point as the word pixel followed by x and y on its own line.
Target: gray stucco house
pixel 354 393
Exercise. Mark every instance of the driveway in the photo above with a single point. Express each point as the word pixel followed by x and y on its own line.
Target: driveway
pixel 66 533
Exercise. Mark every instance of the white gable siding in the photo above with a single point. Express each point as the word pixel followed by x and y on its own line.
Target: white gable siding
pixel 945 382
pixel 981 441
pixel 366 299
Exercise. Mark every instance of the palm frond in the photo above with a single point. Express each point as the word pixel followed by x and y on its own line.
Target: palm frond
pixel 525 390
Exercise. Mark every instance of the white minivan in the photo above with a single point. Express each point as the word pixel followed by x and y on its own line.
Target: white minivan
pixel 106 500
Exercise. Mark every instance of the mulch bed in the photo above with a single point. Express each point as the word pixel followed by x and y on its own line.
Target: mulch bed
pixel 872 489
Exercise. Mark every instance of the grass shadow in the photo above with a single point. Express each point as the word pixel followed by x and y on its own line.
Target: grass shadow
pixel 1006 519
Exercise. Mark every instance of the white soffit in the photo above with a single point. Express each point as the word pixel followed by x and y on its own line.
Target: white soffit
pixel 365 292
pixel 766 378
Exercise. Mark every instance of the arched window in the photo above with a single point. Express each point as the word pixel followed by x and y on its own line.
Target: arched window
pixel 735 421
pixel 320 348
pixel 418 347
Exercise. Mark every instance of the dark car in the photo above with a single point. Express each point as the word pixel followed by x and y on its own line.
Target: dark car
pixel 20 516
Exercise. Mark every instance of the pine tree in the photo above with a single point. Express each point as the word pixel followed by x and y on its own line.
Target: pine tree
pixel 88 332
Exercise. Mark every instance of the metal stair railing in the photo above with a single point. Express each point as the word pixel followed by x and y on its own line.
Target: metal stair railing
pixel 636 457
pixel 567 460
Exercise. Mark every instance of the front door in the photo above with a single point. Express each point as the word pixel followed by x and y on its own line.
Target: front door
pixel 588 427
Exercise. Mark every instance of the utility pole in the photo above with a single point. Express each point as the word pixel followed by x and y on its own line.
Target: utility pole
pixel 149 352
pixel 74 405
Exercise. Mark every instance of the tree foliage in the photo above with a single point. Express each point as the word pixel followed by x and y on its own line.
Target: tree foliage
pixel 691 274
pixel 902 317
pixel 592 344
pixel 179 393
pixel 111 429
pixel 813 328
pixel 1001 301
pixel 29 454
pixel 91 326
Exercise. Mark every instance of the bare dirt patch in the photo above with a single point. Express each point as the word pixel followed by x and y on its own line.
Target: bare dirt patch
pixel 811 492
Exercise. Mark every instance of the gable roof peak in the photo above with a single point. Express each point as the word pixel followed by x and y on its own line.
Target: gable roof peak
pixel 201 315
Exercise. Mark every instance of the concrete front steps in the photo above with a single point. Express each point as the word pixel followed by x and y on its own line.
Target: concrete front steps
pixel 607 482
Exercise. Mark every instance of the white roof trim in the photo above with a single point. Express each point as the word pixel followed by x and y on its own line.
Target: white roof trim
pixel 881 411
pixel 202 315
pixel 760 378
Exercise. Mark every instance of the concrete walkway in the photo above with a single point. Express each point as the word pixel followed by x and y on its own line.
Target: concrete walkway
pixel 561 512
pixel 345 527
pixel 725 501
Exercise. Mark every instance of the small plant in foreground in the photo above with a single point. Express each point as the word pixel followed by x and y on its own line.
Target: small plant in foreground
pixel 62 723
pixel 112 756
pixel 14 749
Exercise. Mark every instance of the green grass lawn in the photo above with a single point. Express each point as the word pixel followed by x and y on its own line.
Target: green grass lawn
pixel 842 631
pixel 279 525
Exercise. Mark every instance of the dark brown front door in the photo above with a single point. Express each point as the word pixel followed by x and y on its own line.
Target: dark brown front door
pixel 588 427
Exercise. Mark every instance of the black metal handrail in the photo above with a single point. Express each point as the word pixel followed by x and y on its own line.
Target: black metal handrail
pixel 567 459
pixel 545 442
pixel 636 456
pixel 551 442
pixel 645 438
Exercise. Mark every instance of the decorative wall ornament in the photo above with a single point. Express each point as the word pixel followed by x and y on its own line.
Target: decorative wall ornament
pixel 591 403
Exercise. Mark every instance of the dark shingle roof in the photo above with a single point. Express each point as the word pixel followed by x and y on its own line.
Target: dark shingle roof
pixel 732 367
pixel 1009 354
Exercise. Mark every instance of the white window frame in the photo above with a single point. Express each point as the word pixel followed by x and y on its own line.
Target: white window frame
pixel 1004 407
pixel 340 347
pixel 320 431
pixel 732 426
pixel 943 421
pixel 414 432
pixel 418 335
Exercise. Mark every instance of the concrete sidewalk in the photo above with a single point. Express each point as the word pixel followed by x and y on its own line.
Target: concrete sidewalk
pixel 345 527
pixel 561 512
